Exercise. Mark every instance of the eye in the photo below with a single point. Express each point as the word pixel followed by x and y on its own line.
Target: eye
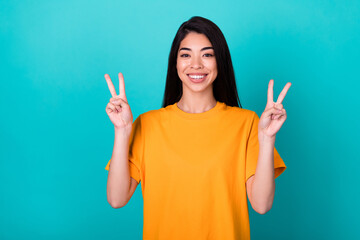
pixel 208 54
pixel 184 55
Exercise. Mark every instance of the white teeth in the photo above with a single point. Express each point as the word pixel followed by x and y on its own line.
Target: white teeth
pixel 197 76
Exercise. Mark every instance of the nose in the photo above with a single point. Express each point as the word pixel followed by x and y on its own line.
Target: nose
pixel 196 63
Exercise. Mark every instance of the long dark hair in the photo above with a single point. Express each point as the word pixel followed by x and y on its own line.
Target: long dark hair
pixel 224 86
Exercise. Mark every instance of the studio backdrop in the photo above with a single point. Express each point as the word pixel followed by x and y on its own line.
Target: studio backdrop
pixel 56 138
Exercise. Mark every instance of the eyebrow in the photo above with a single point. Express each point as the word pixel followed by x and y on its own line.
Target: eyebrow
pixel 205 48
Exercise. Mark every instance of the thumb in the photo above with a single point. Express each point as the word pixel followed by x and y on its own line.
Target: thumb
pixel 268 113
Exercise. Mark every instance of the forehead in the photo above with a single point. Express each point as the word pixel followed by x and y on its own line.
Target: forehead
pixel 195 41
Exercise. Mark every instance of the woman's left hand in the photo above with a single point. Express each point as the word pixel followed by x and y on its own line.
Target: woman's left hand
pixel 274 114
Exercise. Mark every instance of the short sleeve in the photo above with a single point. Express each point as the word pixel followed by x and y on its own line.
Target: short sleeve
pixel 135 150
pixel 252 152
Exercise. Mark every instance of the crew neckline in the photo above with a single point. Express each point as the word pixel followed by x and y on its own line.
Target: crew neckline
pixel 206 114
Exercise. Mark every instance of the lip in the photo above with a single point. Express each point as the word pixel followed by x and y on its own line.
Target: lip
pixel 197 80
pixel 196 74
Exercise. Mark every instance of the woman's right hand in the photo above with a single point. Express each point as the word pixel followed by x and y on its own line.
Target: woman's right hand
pixel 118 108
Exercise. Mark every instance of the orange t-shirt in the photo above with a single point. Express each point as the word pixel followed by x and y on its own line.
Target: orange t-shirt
pixel 193 168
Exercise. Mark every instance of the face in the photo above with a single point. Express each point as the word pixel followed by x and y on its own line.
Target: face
pixel 196 63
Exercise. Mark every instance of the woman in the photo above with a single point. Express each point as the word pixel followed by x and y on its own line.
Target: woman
pixel 200 154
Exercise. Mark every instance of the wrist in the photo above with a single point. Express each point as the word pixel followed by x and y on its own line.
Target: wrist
pixel 123 131
pixel 265 139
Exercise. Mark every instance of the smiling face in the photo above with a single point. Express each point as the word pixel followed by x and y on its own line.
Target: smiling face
pixel 196 63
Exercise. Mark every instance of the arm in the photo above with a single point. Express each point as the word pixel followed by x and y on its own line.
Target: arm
pixel 261 186
pixel 120 187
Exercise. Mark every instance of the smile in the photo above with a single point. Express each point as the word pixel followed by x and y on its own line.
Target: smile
pixel 197 78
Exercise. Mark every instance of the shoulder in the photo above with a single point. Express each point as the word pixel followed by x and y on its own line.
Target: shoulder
pixel 240 113
pixel 151 113
pixel 151 116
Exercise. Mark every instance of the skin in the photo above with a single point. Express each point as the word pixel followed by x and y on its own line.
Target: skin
pixel 197 98
pixel 120 115
pixel 261 186
pixel 118 108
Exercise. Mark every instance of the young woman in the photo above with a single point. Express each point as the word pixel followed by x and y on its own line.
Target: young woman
pixel 200 154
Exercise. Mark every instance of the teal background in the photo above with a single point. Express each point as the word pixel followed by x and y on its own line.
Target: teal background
pixel 56 138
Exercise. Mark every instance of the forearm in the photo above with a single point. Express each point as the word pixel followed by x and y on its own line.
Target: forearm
pixel 263 187
pixel 118 183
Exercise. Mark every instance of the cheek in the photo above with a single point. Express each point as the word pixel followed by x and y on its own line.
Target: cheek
pixel 181 66
pixel 213 67
pixel 211 64
pixel 214 70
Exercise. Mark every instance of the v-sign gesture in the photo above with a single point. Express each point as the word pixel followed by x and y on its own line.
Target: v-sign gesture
pixel 118 108
pixel 274 114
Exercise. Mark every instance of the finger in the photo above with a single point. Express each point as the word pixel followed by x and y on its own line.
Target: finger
pixel 118 108
pixel 122 87
pixel 270 91
pixel 276 116
pixel 283 116
pixel 279 115
pixel 118 102
pixel 110 85
pixel 117 105
pixel 283 93
pixel 124 105
pixel 110 108
pixel 271 111
pixel 116 98
pixel 278 106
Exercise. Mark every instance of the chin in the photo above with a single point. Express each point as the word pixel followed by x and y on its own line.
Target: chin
pixel 196 88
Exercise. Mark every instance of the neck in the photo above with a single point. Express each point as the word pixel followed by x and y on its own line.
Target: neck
pixel 196 102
